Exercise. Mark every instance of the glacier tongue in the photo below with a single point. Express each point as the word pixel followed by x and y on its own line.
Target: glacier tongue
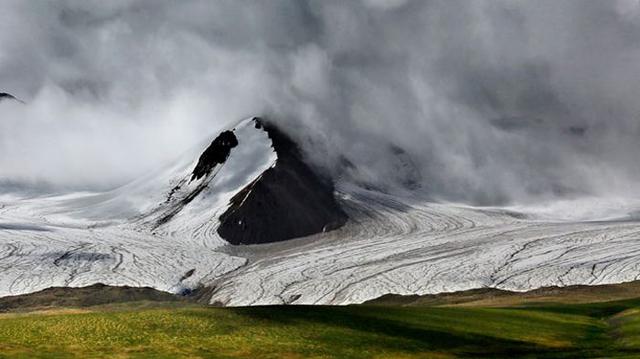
pixel 391 244
pixel 407 246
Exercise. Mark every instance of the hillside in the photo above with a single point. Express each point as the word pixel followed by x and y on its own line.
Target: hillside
pixel 178 329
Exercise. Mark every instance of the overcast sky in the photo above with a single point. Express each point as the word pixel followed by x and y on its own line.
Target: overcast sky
pixel 498 101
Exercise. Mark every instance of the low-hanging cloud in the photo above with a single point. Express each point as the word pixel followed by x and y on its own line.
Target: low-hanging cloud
pixel 493 101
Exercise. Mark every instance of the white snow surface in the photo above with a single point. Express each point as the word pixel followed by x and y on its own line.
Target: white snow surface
pixel 391 244
pixel 113 238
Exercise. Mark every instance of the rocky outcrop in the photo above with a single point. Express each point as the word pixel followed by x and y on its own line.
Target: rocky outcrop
pixel 97 294
pixel 287 201
pixel 7 96
pixel 215 154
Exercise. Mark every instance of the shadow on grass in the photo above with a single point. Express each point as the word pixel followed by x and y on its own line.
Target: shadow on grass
pixel 599 310
pixel 335 327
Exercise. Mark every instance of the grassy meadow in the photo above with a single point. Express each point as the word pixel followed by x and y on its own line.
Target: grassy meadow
pixel 170 330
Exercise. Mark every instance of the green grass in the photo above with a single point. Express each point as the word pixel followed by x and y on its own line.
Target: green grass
pixel 143 330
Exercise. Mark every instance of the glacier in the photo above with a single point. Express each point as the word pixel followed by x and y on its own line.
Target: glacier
pixel 392 243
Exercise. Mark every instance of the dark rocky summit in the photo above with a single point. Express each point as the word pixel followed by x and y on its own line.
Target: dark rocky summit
pixel 287 201
pixel 215 154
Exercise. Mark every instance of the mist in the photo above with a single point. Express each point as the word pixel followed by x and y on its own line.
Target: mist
pixel 491 102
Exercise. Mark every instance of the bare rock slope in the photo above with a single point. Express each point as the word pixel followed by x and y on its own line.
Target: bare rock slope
pixel 288 200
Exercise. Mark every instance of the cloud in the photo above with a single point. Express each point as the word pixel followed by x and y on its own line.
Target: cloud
pixel 493 101
pixel 385 4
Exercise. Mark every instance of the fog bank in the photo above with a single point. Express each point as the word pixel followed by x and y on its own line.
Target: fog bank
pixel 491 102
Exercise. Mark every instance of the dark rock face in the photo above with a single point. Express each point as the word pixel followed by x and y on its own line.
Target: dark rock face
pixel 287 201
pixel 7 96
pixel 215 154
